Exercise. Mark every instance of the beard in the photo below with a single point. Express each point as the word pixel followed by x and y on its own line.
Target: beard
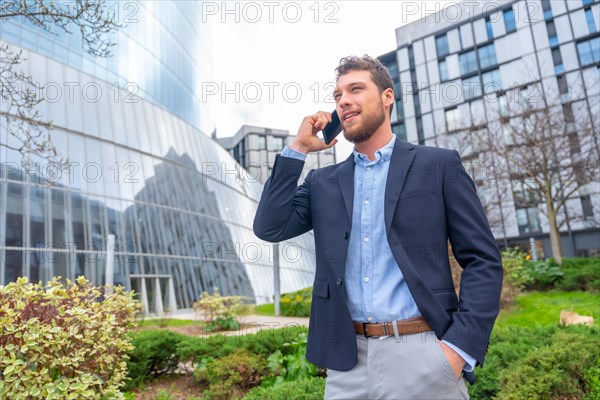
pixel 361 133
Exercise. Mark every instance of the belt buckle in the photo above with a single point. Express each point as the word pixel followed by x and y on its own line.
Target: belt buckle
pixel 364 324
pixel 385 329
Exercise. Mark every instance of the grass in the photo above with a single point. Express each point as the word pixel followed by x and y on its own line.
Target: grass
pixel 265 309
pixel 543 308
pixel 170 322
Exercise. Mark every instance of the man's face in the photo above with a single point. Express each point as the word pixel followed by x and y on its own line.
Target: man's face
pixel 359 105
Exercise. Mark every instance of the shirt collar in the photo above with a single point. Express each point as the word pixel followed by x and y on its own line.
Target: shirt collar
pixel 382 155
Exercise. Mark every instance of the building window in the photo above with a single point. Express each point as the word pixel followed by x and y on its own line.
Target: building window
pixel 563 87
pixel 587 2
pixel 557 59
pixel 509 21
pixel 552 36
pixel 262 142
pixel 589 51
pixel 441 44
pixel 547 8
pixel 400 109
pixel 452 119
pixel 487 56
pixel 568 113
pixel 586 207
pixel 589 16
pixel 443 67
pixel 471 87
pixel 528 220
pixel 468 62
pixel 574 145
pixel 277 143
pixel 400 130
pixel 492 82
pixel 420 135
pixel 489 28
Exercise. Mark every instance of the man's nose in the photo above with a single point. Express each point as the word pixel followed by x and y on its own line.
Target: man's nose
pixel 343 100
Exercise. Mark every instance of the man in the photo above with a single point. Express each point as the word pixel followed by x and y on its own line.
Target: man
pixel 383 293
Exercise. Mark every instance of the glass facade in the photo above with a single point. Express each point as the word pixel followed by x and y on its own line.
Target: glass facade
pixel 141 167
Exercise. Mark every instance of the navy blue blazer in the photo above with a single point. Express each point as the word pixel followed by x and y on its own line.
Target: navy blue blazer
pixel 429 200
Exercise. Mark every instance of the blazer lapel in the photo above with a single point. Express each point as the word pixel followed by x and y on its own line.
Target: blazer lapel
pixel 402 158
pixel 346 182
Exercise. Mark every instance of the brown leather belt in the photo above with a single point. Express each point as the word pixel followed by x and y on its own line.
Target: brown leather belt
pixel 405 327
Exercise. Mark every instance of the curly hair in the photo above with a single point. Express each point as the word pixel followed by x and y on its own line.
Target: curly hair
pixel 379 72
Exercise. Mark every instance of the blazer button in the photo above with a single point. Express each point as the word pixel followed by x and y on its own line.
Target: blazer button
pixel 339 281
pixel 346 235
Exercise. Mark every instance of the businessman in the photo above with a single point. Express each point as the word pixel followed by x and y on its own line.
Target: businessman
pixel 385 319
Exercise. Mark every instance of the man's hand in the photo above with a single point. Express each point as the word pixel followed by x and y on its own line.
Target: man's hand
pixel 307 140
pixel 456 362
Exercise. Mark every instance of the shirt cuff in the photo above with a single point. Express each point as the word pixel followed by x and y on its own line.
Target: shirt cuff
pixel 470 361
pixel 291 153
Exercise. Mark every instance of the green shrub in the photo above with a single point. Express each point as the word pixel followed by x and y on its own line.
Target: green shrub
pixel 556 371
pixel 263 343
pixel 573 274
pixel 580 274
pixel 232 376
pixel 294 365
pixel 516 275
pixel 220 312
pixel 63 341
pixel 549 362
pixel 304 389
pixel 296 304
pixel 154 353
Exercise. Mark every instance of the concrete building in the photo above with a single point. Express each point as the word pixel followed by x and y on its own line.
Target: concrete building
pixel 142 167
pixel 458 75
pixel 255 148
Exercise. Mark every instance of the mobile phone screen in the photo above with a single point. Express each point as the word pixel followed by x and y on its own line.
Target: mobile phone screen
pixel 333 128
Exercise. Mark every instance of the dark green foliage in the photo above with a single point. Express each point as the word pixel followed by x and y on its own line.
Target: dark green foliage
pixel 264 343
pixel 304 389
pixel 573 274
pixel 231 376
pixel 293 365
pixel 542 363
pixel 296 304
pixel 154 353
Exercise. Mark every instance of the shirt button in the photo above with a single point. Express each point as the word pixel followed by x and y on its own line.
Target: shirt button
pixel 368 168
pixel 366 202
pixel 339 281
pixel 366 239
pixel 366 279
pixel 370 318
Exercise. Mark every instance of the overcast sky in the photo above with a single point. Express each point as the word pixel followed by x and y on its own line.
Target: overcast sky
pixel 273 61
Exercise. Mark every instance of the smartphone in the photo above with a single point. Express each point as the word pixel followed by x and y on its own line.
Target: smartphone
pixel 333 128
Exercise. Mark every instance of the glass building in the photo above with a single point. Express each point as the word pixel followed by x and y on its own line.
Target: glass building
pixel 141 166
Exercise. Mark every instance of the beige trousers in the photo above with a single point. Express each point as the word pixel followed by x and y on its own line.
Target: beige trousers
pixel 401 367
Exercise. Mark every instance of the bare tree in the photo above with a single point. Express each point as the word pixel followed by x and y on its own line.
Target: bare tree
pixel 29 130
pixel 551 152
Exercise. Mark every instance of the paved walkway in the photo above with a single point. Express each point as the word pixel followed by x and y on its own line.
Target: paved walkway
pixel 252 323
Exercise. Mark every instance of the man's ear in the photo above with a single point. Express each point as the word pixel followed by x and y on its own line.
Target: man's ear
pixel 387 97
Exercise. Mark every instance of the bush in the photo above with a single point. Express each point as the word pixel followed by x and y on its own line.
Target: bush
pixel 63 341
pixel 515 275
pixel 154 353
pixel 573 274
pixel 296 304
pixel 556 371
pixel 231 376
pixel 304 389
pixel 220 312
pixel 294 365
pixel 262 343
pixel 539 362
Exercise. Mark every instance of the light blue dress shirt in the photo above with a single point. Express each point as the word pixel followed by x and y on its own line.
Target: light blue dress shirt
pixel 375 294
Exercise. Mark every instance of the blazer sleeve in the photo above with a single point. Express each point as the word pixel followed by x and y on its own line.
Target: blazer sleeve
pixel 284 208
pixel 475 249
